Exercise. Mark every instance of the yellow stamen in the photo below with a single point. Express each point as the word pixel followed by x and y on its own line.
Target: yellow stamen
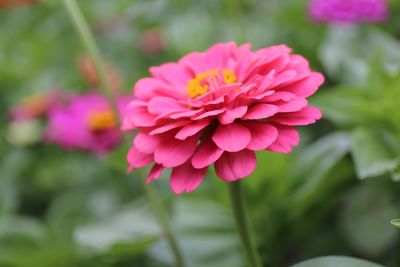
pixel 199 84
pixel 101 120
pixel 229 76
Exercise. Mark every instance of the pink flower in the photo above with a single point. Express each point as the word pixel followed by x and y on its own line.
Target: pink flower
pixel 348 11
pixel 219 107
pixel 86 122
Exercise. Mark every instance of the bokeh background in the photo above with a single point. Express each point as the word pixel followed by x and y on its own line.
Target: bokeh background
pixel 334 195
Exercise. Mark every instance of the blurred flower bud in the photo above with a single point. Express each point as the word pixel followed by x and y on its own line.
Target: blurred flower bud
pixel 151 42
pixel 89 73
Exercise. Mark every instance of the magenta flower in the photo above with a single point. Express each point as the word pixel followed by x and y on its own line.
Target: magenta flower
pixel 219 107
pixel 348 11
pixel 86 122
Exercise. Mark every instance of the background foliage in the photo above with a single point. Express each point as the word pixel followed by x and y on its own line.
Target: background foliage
pixel 335 195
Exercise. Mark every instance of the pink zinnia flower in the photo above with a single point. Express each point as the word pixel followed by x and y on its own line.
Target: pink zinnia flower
pixel 348 11
pixel 219 107
pixel 86 122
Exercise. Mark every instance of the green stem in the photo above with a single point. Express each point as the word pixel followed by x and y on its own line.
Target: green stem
pixel 88 41
pixel 242 224
pixel 162 218
pixel 94 52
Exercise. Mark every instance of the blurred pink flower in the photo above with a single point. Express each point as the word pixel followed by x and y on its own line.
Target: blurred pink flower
pixel 219 107
pixel 86 122
pixel 348 11
pixel 35 106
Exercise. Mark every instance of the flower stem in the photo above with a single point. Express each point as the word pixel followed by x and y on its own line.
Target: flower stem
pixel 242 224
pixel 159 212
pixel 94 52
pixel 89 42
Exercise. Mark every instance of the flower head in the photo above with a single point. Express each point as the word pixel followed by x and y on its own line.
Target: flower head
pixel 219 107
pixel 348 11
pixel 86 122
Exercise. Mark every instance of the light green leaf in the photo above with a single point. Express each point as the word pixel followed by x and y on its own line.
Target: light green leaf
pixel 396 222
pixel 206 234
pixel 344 105
pixel 336 261
pixel 370 154
pixel 314 165
pixel 130 229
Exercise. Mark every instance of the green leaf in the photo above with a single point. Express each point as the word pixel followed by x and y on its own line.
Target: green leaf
pixel 368 207
pixel 347 51
pixel 206 234
pixel 370 154
pixel 344 105
pixel 336 261
pixel 129 230
pixel 396 222
pixel 315 163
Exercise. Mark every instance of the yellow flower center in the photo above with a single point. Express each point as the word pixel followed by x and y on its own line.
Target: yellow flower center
pixel 201 83
pixel 101 120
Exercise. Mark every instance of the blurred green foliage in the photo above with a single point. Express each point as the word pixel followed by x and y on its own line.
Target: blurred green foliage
pixel 69 209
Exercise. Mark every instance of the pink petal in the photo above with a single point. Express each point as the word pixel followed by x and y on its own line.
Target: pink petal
pixel 164 105
pixel 172 152
pixel 140 117
pixel 137 159
pixel 210 113
pixel 185 114
pixel 288 137
pixel 305 116
pixel 185 178
pixel 191 129
pixel 145 143
pixel 207 153
pixel 280 95
pixel 168 127
pixel 217 55
pixel 262 135
pixel 293 105
pixel 232 137
pixel 308 86
pixel 283 77
pixel 234 166
pixel 154 173
pixel 173 74
pixel 260 111
pixel 144 88
pixel 231 114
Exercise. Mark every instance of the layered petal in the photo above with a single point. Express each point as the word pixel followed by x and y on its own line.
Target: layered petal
pixel 287 138
pixel 185 178
pixel 137 159
pixel 232 137
pixel 234 166
pixel 172 152
pixel 154 173
pixel 206 154
pixel 262 135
